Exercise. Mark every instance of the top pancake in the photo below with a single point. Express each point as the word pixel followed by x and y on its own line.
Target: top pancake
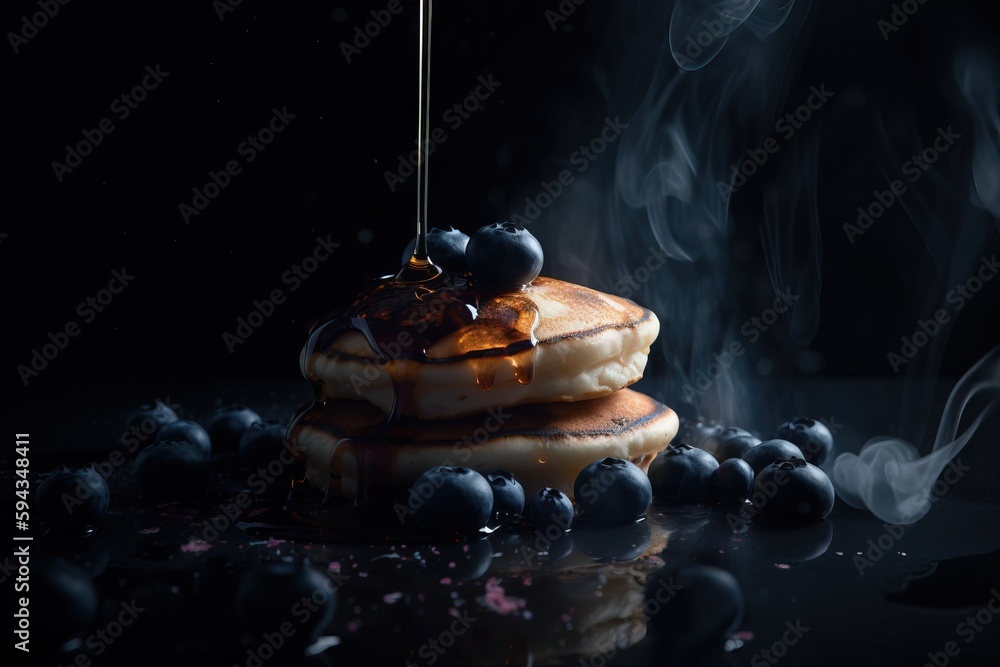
pixel 588 344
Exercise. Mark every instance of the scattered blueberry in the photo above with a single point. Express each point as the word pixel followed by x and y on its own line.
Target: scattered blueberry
pixel 693 608
pixel 270 591
pixel 69 601
pixel 451 498
pixel 612 492
pixel 508 494
pixel 680 473
pixel 73 500
pixel 226 426
pixel 696 431
pixel 551 508
pixel 793 490
pixel 812 437
pixel 731 483
pixel 446 248
pixel 188 431
pixel 170 471
pixel 262 443
pixel 504 254
pixel 730 443
pixel 768 452
pixel 146 421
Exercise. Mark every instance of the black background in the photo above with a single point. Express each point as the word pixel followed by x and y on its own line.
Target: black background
pixel 324 174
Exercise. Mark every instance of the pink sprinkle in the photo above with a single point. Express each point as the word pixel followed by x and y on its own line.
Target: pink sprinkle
pixel 275 543
pixel 452 565
pixel 257 512
pixel 466 548
pixel 565 618
pixel 353 626
pixel 445 580
pixel 782 566
pixel 307 546
pixel 149 531
pixel 334 565
pixel 194 546
pixel 391 598
pixel 498 601
pixel 362 574
pixel 745 635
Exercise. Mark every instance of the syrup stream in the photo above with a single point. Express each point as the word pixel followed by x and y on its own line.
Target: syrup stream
pixel 423 304
pixel 421 268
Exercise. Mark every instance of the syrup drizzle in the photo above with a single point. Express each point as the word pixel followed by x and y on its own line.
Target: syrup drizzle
pixel 404 316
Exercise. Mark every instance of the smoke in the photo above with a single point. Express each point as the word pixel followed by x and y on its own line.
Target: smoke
pixel 891 479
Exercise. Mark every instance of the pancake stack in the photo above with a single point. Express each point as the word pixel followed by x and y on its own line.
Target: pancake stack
pixel 543 412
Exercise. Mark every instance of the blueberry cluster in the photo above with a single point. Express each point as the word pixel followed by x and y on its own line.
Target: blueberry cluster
pixel 174 466
pixel 609 492
pixel 728 466
pixel 502 254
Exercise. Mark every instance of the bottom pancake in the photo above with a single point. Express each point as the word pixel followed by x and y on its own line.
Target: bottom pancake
pixel 349 452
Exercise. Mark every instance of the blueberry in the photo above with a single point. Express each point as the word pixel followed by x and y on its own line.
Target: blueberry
pixel 73 500
pixel 66 602
pixel 270 590
pixel 768 452
pixel 504 254
pixel 262 443
pixel 446 248
pixel 696 431
pixel 174 470
pixel 693 608
pixel 680 473
pixel 452 498
pixel 550 508
pixel 793 490
pixel 188 431
pixel 612 492
pixel 226 426
pixel 730 443
pixel 812 437
pixel 731 482
pixel 146 421
pixel 508 494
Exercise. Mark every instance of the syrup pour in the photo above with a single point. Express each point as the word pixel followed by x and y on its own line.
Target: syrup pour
pixel 404 316
pixel 421 268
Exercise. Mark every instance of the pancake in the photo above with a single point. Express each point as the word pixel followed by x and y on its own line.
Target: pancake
pixel 545 444
pixel 588 344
